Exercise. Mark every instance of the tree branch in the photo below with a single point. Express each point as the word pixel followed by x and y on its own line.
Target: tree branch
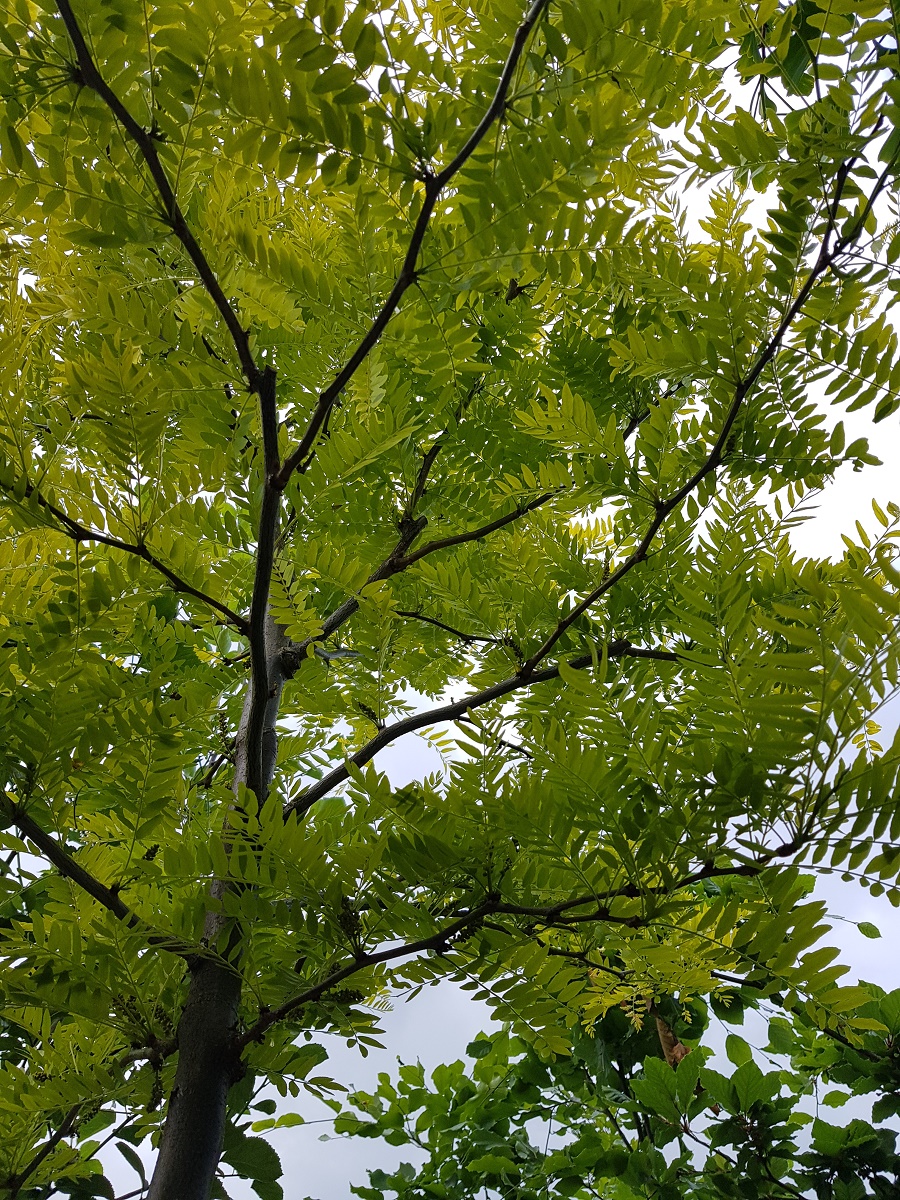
pixel 440 941
pixel 83 533
pixel 261 686
pixel 300 457
pixel 630 891
pixel 473 535
pixel 824 262
pixel 107 897
pixel 155 1054
pixel 457 633
pixel 450 712
pixel 398 560
pixel 418 491
pixel 639 418
pixel 212 770
pixel 89 76
pixel 14 1182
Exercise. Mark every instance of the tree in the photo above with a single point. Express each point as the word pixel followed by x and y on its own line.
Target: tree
pixel 362 377
pixel 615 1103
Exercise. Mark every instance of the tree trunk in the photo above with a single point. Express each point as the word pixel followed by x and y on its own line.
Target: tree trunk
pixel 208 1063
pixel 207 1067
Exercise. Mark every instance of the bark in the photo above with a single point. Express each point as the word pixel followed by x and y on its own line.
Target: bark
pixel 209 1060
pixel 207 1066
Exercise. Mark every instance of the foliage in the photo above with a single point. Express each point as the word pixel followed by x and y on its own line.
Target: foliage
pixel 363 377
pixel 615 1119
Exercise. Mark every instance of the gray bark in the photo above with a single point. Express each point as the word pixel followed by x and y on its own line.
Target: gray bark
pixel 208 1061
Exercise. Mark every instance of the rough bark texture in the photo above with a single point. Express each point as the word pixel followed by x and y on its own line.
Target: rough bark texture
pixel 207 1067
pixel 209 1061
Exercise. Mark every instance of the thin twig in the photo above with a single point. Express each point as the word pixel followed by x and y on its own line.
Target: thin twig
pixel 457 633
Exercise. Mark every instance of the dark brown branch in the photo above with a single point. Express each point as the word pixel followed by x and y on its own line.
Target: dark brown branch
pixel 600 912
pixel 422 478
pixel 430 457
pixel 451 712
pixel 230 661
pixel 457 633
pixel 824 261
pixel 83 533
pixel 584 958
pixel 268 414
pixel 398 560
pixel 776 998
pixel 14 1182
pixel 89 76
pixel 439 941
pixel 68 867
pixel 635 423
pixel 639 418
pixel 556 913
pixel 260 683
pixel 473 535
pixel 465 923
pixel 630 891
pixel 434 186
pixel 155 1054
pixel 209 777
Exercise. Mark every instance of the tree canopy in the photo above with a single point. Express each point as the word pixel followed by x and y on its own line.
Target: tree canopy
pixel 456 370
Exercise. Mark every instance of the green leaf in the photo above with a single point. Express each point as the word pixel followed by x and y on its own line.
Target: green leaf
pixel 252 1158
pixel 478 1048
pixel 737 1050
pixel 133 1159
